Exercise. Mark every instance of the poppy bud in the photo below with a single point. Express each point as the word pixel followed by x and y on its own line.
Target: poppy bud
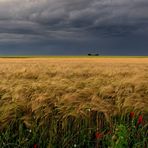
pixel 98 135
pixel 140 120
pixel 131 115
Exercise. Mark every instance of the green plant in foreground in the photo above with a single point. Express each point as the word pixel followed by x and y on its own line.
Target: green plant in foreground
pixel 119 139
pixel 76 132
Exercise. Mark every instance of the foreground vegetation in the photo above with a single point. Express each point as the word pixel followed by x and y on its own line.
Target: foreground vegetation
pixel 66 103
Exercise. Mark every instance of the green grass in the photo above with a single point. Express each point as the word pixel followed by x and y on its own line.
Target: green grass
pixel 76 132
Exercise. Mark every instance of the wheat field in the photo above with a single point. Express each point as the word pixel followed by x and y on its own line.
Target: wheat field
pixel 62 102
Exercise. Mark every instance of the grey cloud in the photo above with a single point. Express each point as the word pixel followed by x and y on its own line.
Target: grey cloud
pixel 78 13
pixel 71 20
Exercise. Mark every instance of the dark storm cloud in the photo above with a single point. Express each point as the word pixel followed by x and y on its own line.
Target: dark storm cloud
pixel 57 23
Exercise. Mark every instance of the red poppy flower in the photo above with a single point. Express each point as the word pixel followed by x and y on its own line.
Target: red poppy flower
pixel 35 146
pixel 131 115
pixel 140 120
pixel 98 135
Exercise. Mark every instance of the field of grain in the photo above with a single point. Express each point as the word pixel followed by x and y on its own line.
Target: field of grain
pixel 73 102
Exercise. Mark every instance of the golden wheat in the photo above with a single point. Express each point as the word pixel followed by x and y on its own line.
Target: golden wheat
pixel 32 88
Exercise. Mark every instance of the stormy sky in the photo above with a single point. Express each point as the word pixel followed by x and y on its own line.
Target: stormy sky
pixel 73 27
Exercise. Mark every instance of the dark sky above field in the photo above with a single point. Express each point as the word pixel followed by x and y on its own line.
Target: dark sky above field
pixel 73 27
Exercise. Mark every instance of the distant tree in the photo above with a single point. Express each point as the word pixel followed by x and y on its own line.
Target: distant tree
pixel 90 54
